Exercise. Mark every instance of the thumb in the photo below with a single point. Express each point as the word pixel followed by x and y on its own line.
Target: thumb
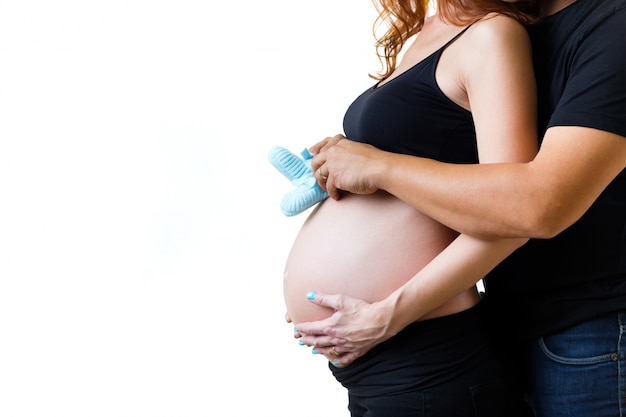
pixel 334 301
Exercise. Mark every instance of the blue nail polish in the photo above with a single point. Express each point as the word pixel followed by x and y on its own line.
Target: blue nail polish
pixel 296 330
pixel 301 343
pixel 314 351
pixel 336 363
pixel 311 295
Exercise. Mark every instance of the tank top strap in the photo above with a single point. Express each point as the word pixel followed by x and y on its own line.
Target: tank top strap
pixel 457 36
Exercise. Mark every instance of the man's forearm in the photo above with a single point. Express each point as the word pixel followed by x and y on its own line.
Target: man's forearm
pixel 465 198
pixel 537 199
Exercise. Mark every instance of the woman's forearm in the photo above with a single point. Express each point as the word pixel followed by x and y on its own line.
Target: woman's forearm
pixel 460 266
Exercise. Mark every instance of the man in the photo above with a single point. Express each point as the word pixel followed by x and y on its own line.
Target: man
pixel 564 293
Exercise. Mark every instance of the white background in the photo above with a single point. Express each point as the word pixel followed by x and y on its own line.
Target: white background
pixel 141 240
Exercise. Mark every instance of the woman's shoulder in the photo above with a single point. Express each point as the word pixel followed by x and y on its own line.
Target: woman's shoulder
pixel 496 27
pixel 495 34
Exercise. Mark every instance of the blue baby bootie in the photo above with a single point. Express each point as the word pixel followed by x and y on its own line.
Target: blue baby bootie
pixel 298 171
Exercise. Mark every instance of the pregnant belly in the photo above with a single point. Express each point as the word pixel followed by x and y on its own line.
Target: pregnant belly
pixel 362 246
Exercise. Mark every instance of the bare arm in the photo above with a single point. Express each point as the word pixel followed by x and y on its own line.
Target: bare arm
pixel 564 179
pixel 358 326
pixel 537 199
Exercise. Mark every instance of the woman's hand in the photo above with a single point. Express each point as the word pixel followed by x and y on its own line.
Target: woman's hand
pixel 354 328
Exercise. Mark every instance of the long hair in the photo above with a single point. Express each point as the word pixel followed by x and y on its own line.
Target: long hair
pixel 405 18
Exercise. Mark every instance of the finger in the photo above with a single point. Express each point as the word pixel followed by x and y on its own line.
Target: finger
pixel 327 143
pixel 321 177
pixel 315 149
pixel 331 189
pixel 321 341
pixel 332 356
pixel 316 164
pixel 287 318
pixel 345 359
pixel 334 301
pixel 296 333
pixel 318 160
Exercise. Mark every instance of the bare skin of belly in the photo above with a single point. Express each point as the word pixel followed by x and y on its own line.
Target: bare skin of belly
pixel 365 247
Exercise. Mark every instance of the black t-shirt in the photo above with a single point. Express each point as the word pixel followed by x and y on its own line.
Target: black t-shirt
pixel 548 285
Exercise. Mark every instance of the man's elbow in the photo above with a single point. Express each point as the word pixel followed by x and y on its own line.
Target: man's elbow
pixel 548 222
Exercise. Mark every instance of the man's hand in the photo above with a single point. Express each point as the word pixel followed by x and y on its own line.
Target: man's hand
pixel 354 328
pixel 344 165
pixel 325 144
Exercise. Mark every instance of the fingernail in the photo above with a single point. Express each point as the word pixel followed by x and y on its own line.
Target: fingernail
pixel 336 363
pixel 311 295
pixel 295 330
pixel 301 343
pixel 314 351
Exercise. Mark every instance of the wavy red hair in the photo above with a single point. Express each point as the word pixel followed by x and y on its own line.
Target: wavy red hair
pixel 405 18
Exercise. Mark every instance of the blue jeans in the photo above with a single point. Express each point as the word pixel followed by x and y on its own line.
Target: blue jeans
pixel 580 372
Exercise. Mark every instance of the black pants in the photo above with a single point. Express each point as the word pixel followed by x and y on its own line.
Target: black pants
pixel 453 366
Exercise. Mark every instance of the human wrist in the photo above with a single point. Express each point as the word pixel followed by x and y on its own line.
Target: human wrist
pixel 387 316
pixel 380 171
pixel 403 308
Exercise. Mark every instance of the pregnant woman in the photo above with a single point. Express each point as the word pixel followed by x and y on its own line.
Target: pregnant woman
pixel 462 91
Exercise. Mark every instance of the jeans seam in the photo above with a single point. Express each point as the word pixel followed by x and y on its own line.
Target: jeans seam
pixel 574 361
pixel 582 368
pixel 621 377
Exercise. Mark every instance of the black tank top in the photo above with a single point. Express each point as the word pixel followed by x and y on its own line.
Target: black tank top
pixel 409 114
